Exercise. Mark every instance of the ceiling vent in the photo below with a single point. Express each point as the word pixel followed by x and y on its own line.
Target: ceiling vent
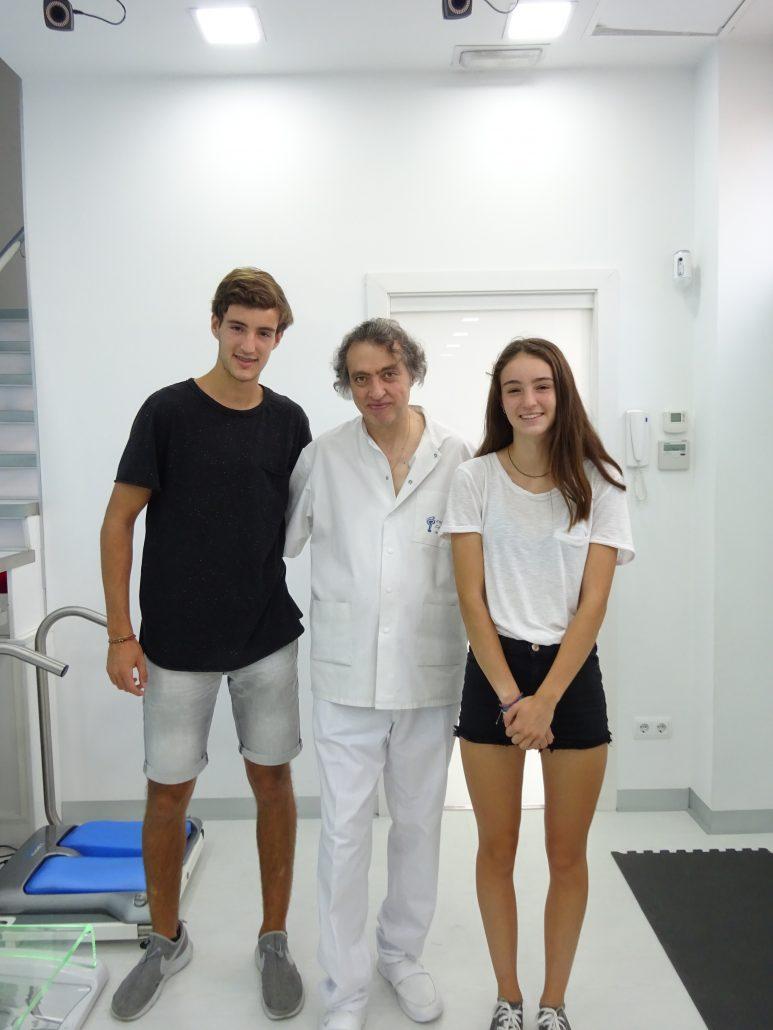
pixel 608 30
pixel 663 19
pixel 495 57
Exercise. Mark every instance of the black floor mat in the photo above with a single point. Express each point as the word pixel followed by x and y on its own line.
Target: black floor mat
pixel 713 913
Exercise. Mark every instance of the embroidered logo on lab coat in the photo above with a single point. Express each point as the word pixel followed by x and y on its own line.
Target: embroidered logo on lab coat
pixel 433 524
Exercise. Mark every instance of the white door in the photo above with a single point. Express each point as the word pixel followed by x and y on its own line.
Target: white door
pixel 462 336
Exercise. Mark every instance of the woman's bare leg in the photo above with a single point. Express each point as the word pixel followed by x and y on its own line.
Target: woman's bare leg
pixel 494 775
pixel 572 785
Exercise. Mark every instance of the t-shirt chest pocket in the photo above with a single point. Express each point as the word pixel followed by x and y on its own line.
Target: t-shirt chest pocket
pixel 574 538
pixel 429 511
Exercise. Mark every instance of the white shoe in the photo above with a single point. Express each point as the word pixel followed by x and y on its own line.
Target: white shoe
pixel 415 989
pixel 342 1019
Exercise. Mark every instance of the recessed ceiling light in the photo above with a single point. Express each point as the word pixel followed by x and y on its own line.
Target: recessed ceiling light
pixel 537 21
pixel 228 26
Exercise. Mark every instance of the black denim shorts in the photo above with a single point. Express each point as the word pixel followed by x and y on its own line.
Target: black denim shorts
pixel 580 719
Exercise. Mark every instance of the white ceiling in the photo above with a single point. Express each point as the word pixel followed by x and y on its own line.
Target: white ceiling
pixel 159 37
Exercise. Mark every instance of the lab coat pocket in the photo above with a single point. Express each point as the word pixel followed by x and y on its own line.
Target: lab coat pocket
pixel 442 637
pixel 428 519
pixel 331 632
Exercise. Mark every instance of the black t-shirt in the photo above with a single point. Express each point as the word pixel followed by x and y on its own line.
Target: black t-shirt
pixel 212 591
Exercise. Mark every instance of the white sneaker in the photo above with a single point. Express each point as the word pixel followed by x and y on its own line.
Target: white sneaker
pixel 342 1019
pixel 416 993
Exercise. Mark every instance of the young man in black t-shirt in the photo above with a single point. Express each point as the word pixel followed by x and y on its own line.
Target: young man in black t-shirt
pixel 211 460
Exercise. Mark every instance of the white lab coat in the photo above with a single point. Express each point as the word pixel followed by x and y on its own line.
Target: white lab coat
pixel 386 631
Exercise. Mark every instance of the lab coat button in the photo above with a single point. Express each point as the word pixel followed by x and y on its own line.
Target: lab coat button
pixel 390 550
pixel 389 590
pixel 385 629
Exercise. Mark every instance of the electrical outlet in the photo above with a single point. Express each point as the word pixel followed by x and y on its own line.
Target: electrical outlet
pixel 651 727
pixel 643 727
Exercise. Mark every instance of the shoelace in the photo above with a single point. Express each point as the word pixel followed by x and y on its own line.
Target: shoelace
pixel 506 1017
pixel 552 1019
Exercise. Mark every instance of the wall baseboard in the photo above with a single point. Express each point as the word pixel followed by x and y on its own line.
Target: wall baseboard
pixel 667 799
pixel 753 820
pixel 676 799
pixel 205 808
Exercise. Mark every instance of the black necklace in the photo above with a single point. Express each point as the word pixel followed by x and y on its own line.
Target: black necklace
pixel 527 474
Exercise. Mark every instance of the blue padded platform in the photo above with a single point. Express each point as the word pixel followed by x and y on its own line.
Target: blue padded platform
pixel 62 874
pixel 108 839
pixel 109 861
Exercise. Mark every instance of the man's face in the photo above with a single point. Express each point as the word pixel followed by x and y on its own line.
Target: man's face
pixel 246 337
pixel 380 383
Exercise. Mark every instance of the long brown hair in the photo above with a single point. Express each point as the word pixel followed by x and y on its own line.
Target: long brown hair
pixel 573 439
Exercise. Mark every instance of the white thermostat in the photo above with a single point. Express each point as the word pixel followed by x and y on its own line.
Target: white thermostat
pixel 673 454
pixel 674 421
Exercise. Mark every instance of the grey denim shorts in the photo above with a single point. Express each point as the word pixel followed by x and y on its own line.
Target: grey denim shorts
pixel 177 714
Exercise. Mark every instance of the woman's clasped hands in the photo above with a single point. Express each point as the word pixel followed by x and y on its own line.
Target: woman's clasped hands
pixel 527 723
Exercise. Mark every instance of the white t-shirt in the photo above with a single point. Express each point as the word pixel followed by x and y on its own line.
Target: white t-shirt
pixel 533 564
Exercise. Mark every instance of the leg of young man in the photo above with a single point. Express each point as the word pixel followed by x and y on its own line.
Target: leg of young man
pixel 572 785
pixel 175 755
pixel 163 847
pixel 264 699
pixel 415 778
pixel 494 775
pixel 276 827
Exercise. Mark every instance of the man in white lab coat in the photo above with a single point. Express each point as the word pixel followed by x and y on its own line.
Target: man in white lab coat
pixel 387 662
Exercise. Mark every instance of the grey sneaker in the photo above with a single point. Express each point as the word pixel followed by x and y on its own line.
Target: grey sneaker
pixel 280 982
pixel 552 1019
pixel 507 1016
pixel 143 985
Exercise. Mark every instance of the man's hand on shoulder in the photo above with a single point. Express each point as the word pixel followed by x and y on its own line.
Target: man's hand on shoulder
pixel 122 661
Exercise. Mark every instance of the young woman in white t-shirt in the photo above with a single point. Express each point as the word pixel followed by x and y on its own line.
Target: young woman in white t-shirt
pixel 539 521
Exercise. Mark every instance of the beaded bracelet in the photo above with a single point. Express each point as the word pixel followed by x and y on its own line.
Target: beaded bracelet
pixel 508 706
pixel 121 640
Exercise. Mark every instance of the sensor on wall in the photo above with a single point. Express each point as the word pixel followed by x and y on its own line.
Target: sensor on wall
pixel 683 266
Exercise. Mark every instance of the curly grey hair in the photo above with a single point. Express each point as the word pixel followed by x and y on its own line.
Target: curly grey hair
pixel 386 333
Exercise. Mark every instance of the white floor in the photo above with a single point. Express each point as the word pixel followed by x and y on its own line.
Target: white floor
pixel 622 979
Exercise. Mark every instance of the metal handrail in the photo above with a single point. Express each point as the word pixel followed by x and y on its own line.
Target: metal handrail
pixel 42 661
pixel 11 247
pixel 44 703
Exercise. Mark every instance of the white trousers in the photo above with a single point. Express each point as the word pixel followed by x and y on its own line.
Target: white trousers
pixel 354 746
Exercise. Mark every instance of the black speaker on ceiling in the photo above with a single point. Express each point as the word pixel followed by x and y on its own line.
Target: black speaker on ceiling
pixel 58 15
pixel 453 9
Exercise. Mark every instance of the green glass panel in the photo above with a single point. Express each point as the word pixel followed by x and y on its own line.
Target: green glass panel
pixel 31 957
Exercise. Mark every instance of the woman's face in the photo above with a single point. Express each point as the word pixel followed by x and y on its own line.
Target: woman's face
pixel 528 395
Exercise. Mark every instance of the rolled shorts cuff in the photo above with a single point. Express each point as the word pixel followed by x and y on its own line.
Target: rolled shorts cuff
pixel 263 759
pixel 177 777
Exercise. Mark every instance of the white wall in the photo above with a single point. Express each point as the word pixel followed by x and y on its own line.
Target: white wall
pixel 734 421
pixel 703 433
pixel 743 773
pixel 140 195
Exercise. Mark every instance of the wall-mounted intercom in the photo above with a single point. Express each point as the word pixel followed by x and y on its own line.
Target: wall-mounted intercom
pixel 637 439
